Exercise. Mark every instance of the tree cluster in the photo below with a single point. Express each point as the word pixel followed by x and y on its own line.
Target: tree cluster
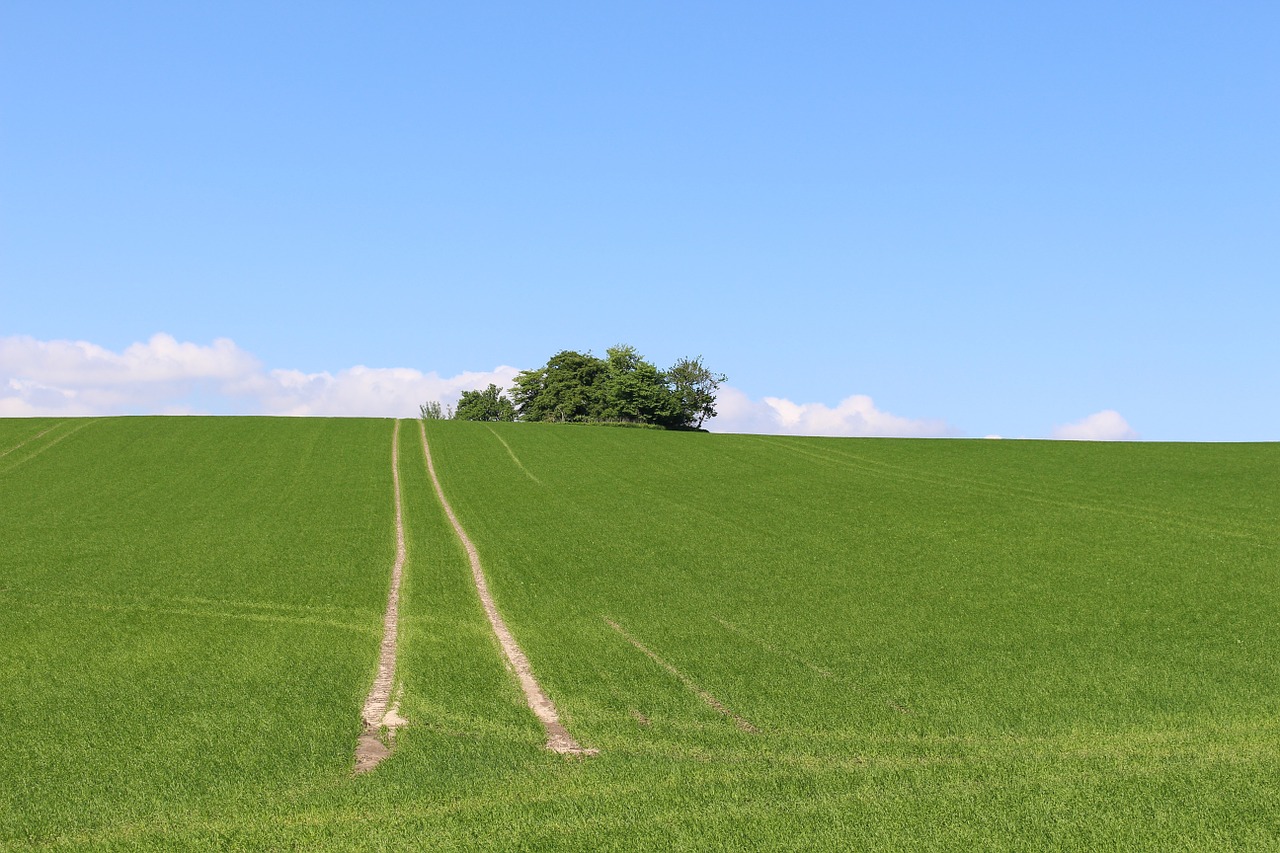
pixel 622 387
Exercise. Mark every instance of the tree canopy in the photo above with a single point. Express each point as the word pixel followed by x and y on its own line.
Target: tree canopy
pixel 573 387
pixel 694 387
pixel 487 405
pixel 622 386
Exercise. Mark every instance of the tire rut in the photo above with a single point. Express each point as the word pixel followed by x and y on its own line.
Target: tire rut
pixel 379 714
pixel 558 738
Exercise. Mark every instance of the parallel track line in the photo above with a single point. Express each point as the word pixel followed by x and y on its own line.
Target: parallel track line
pixel 558 737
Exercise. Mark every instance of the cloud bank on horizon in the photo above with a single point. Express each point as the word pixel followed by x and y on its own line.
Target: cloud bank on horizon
pixel 167 377
pixel 1107 425
pixel 854 416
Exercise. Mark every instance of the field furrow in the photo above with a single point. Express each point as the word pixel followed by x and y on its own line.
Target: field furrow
pixel 29 449
pixel 24 432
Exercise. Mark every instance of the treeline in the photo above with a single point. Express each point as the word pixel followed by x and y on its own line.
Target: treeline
pixel 574 387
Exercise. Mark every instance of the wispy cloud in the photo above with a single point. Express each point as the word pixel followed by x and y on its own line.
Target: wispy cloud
pixel 165 376
pixel 1107 425
pixel 853 416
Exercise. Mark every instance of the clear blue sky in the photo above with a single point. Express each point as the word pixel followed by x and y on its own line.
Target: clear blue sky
pixel 1003 216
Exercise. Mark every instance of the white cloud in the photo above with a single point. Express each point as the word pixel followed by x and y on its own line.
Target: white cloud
pixel 365 391
pixel 163 376
pixel 161 359
pixel 853 416
pixel 1106 425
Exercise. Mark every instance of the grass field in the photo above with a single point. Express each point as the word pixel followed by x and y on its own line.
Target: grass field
pixel 934 644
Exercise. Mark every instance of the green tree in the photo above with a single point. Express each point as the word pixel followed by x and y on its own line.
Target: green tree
pixel 623 386
pixel 694 388
pixel 635 390
pixel 487 405
pixel 568 388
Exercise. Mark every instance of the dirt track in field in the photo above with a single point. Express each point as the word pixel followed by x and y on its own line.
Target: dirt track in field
pixel 379 713
pixel 558 737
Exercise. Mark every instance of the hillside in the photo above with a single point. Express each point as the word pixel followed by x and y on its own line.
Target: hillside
pixel 792 642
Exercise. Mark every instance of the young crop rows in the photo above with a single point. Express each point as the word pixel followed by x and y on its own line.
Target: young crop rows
pixel 742 641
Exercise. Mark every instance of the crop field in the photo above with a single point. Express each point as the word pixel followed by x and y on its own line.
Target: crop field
pixel 779 642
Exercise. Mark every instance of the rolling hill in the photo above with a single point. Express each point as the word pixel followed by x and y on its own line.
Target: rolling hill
pixel 783 642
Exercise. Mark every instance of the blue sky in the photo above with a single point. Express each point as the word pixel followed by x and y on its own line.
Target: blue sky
pixel 987 218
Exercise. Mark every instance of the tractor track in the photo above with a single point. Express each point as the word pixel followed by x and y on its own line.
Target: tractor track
pixel 558 738
pixel 379 713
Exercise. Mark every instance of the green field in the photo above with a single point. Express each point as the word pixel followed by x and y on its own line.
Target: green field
pixel 913 644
